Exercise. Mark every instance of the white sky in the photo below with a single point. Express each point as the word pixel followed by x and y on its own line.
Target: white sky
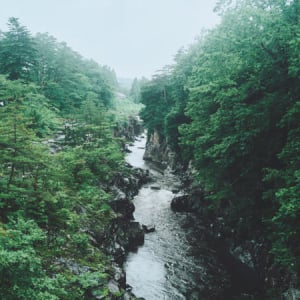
pixel 134 37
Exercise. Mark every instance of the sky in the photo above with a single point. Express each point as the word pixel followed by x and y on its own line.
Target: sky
pixel 134 37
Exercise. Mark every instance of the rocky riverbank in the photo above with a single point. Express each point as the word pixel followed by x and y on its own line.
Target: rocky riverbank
pixel 243 262
pixel 123 234
pixel 246 262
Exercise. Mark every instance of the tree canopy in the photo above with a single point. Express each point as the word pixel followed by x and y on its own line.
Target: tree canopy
pixel 230 104
pixel 57 150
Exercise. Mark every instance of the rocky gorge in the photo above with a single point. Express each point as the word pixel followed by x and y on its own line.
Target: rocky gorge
pixel 236 267
pixel 166 244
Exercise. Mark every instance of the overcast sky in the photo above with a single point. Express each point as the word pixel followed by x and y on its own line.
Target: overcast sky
pixel 134 37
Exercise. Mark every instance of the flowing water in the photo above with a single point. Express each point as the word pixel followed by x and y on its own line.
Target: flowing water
pixel 163 268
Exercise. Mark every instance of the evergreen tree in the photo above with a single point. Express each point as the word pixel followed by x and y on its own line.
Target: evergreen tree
pixel 17 51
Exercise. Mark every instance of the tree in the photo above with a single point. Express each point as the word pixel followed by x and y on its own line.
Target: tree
pixel 234 96
pixel 17 51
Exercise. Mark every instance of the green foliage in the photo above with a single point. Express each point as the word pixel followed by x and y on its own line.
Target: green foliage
pixel 155 98
pixel 67 79
pixel 50 197
pixel 21 269
pixel 17 51
pixel 231 105
pixel 123 108
pixel 135 90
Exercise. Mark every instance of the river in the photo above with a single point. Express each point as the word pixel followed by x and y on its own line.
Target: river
pixel 164 267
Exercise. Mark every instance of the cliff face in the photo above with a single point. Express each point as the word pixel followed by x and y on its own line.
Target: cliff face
pixel 247 262
pixel 158 151
pixel 130 130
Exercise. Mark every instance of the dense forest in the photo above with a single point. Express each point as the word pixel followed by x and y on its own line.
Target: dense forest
pixel 229 106
pixel 58 156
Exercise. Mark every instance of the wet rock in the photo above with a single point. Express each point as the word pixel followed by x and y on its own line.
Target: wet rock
pixel 119 276
pixel 127 150
pixel 113 286
pixel 136 236
pixel 123 207
pixel 118 252
pixel 119 195
pixel 155 187
pixel 190 202
pixel 128 288
pixel 128 296
pixel 181 204
pixel 148 228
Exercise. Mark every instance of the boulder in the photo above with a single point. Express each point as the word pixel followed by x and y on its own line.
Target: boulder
pixel 155 187
pixel 181 204
pixel 188 203
pixel 148 228
pixel 123 207
pixel 113 286
pixel 135 235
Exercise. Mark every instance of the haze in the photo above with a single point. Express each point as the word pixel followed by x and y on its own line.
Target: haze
pixel 134 37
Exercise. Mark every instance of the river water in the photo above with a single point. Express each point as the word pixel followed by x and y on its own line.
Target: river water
pixel 164 267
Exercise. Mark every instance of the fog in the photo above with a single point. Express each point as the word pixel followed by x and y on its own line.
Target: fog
pixel 134 37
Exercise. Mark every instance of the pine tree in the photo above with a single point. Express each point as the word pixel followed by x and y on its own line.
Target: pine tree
pixel 17 51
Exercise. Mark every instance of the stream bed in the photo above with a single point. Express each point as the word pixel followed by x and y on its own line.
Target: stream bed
pixel 164 267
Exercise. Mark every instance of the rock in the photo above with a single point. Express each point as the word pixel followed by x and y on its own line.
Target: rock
pixel 181 204
pixel 127 150
pixel 128 288
pixel 119 195
pixel 155 187
pixel 158 151
pixel 113 287
pixel 73 267
pixel 124 207
pixel 136 236
pixel 244 256
pixel 119 276
pixel 148 228
pixel 118 252
pixel 188 203
pixel 128 296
